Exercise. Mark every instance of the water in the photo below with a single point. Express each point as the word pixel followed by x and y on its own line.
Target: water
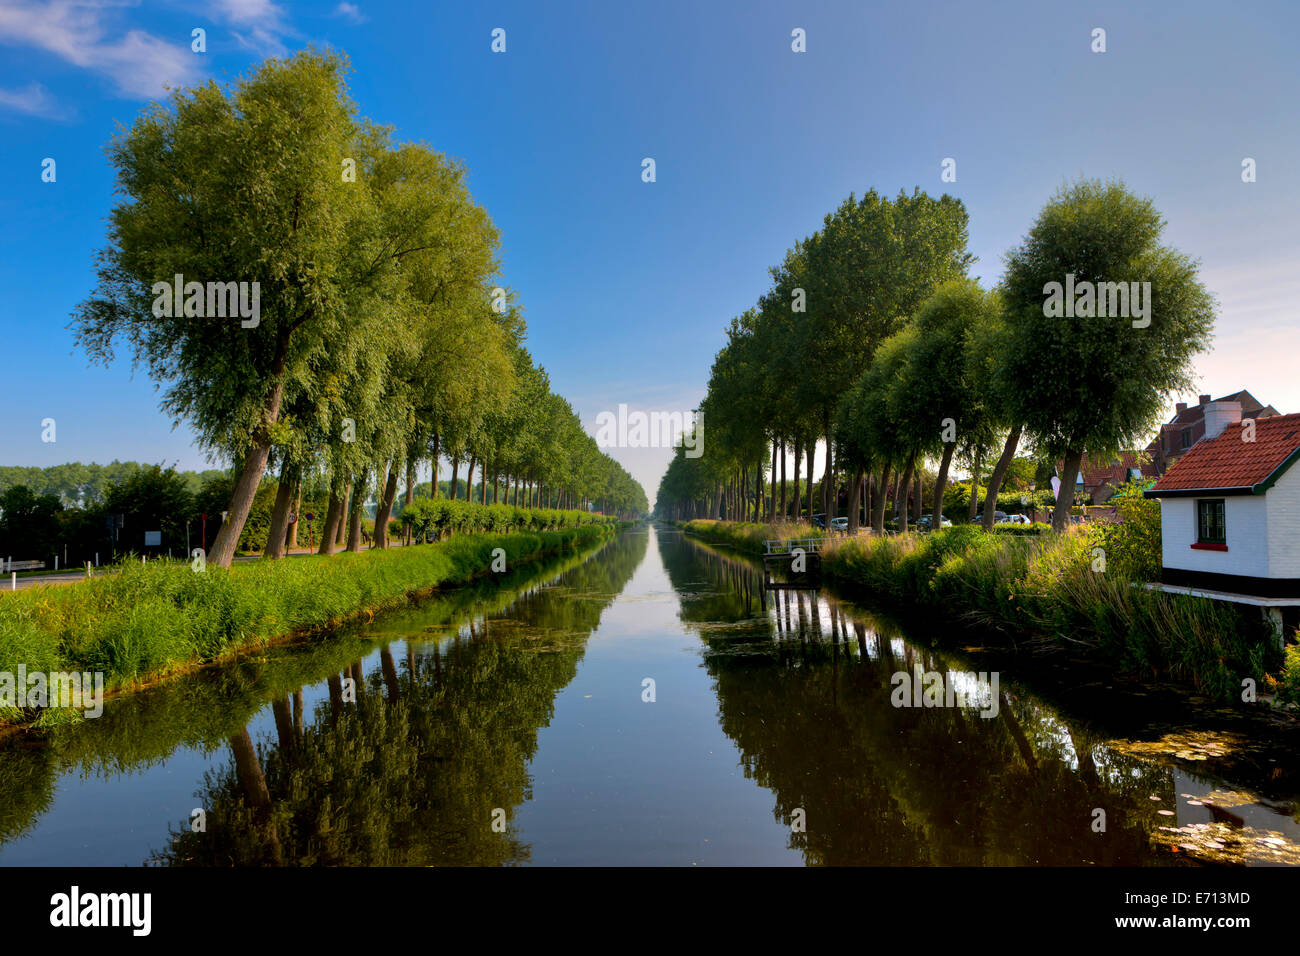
pixel 511 723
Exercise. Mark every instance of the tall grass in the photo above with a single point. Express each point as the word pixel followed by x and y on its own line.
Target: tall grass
pixel 145 621
pixel 1046 586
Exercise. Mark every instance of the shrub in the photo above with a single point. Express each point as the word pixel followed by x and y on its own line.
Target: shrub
pixel 1045 584
pixel 1132 542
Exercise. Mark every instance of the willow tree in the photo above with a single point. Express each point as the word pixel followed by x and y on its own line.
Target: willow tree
pixel 943 408
pixel 245 185
pixel 869 267
pixel 451 363
pixel 870 423
pixel 1094 383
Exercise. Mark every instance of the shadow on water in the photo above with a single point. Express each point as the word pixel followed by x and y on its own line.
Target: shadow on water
pixel 805 685
pixel 393 743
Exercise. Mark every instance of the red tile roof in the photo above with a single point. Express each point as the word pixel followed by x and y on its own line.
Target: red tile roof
pixel 1099 472
pixel 1229 462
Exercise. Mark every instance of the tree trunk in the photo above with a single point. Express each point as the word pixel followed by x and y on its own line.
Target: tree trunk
pixel 455 471
pixel 855 501
pixel 811 451
pixel 904 488
pixel 250 476
pixel 385 508
pixel 940 483
pixel 274 547
pixel 828 481
pixel 297 513
pixel 878 516
pixel 797 504
pixel 1070 472
pixel 483 475
pixel 469 479
pixel 771 508
pixel 918 504
pixel 975 485
pixel 341 534
pixel 784 513
pixel 333 515
pixel 999 474
pixel 358 511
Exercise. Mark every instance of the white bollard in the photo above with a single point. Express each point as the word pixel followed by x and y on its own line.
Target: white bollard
pixel 142 559
pixel 13 580
pixel 96 559
pixel 56 562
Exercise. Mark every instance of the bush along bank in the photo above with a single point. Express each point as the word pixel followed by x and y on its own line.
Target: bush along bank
pixel 440 517
pixel 149 621
pixel 1054 587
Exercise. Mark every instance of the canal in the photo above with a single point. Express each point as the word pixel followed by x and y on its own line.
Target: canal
pixel 648 702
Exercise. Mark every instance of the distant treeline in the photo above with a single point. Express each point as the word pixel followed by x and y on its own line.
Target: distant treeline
pixel 71 510
pixel 76 484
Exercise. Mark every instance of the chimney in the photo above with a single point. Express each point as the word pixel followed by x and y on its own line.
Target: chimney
pixel 1219 415
pixel 1205 399
pixel 1180 408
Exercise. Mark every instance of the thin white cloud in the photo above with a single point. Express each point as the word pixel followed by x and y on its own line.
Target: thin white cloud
pixel 351 12
pixel 138 63
pixel 33 99
pixel 261 22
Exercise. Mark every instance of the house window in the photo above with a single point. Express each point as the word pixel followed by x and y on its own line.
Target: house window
pixel 1211 526
pixel 1187 438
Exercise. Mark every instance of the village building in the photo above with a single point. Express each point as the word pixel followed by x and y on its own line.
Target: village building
pixel 1230 512
pixel 1187 427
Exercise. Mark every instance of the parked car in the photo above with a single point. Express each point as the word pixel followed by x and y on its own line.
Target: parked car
pixel 818 521
pixel 927 520
pixel 1012 519
pixel 839 524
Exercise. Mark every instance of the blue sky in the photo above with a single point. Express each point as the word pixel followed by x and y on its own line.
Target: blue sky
pixel 628 285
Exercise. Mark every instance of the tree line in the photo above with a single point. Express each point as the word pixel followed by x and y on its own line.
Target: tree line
pixel 385 339
pixel 874 341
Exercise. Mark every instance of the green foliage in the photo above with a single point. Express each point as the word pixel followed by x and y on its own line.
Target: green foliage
pixel 1132 542
pixel 440 517
pixel 1288 688
pixel 1098 383
pixel 1038 527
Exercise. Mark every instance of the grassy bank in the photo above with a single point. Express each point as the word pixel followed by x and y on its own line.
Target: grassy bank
pixel 1046 587
pixel 148 621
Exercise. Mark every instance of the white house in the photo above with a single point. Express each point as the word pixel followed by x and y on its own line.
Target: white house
pixel 1230 512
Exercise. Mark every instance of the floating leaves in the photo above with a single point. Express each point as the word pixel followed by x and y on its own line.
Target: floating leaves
pixel 1223 843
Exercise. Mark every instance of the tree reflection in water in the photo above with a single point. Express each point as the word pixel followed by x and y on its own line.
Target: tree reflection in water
pixel 804 683
pixel 410 772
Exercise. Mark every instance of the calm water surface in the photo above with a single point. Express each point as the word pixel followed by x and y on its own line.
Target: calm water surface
pixel 509 723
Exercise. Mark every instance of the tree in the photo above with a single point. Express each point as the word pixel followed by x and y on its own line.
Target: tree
pixel 29 524
pixel 870 266
pixel 236 186
pixel 1097 384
